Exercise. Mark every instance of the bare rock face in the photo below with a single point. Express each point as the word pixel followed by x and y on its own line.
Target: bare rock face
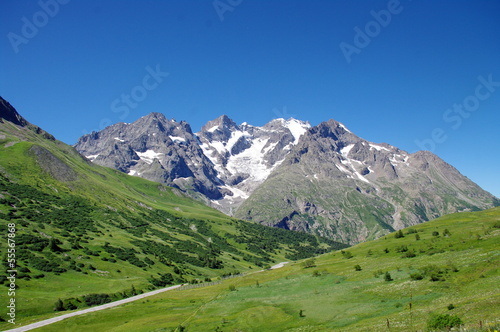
pixel 245 155
pixel 157 149
pixel 323 180
pixel 338 185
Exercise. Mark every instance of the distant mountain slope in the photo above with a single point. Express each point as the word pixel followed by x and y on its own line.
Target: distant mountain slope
pixel 83 229
pixel 338 185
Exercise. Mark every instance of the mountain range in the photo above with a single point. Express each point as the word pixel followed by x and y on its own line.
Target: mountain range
pixel 322 179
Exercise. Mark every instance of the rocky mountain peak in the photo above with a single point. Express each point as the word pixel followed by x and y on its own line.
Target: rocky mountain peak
pixel 9 113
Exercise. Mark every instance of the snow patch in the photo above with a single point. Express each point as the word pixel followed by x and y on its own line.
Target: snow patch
pixel 251 161
pixel 344 127
pixel 177 138
pixel 297 128
pixel 348 162
pixel 92 157
pixel 119 139
pixel 378 147
pixel 148 156
pixel 345 150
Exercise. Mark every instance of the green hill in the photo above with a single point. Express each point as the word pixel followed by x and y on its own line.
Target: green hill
pixel 448 266
pixel 85 234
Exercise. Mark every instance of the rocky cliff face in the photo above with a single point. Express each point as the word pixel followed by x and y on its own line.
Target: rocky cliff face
pixel 245 155
pixel 324 180
pixel 222 164
pixel 338 185
pixel 157 149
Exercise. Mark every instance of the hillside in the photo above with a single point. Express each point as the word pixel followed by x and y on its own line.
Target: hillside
pixel 80 229
pixel 396 283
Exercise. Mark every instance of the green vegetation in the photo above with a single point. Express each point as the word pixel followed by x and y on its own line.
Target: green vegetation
pixel 333 296
pixel 86 235
pixel 443 321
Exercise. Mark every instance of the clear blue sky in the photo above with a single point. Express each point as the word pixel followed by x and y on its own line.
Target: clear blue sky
pixel 69 68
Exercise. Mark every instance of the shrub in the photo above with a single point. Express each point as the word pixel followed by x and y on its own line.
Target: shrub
pixel 59 306
pixel 346 254
pixel 95 299
pixel 409 254
pixel 399 234
pixel 309 263
pixel 357 267
pixel 387 277
pixel 416 276
pixel 402 248
pixel 443 321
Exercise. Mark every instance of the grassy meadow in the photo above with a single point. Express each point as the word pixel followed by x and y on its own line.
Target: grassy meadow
pixel 446 266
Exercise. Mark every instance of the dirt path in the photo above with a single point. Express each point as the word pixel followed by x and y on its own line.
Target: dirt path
pixel 106 306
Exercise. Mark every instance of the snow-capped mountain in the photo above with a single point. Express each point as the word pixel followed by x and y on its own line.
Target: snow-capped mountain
pixel 224 162
pixel 155 148
pixel 245 155
pixel 336 184
pixel 322 179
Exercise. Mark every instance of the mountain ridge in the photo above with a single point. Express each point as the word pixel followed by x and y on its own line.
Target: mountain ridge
pixel 230 166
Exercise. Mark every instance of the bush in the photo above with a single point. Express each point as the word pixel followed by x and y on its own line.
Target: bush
pixel 443 321
pixel 387 277
pixel 309 263
pixel 95 299
pixel 346 254
pixel 59 306
pixel 399 234
pixel 357 267
pixel 409 254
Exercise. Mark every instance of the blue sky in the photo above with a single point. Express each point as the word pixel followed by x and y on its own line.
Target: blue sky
pixel 416 74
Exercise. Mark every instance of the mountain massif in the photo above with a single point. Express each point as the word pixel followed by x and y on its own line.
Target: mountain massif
pixel 323 180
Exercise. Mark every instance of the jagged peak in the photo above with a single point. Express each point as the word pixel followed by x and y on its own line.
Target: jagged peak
pixel 157 116
pixel 222 122
pixel 9 113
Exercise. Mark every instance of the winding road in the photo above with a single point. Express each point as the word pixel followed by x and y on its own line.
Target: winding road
pixel 106 306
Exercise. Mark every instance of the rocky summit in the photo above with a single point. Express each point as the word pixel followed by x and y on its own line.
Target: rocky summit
pixel 323 179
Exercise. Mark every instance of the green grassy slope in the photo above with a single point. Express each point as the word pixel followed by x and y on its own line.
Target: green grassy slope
pixel 82 229
pixel 454 261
